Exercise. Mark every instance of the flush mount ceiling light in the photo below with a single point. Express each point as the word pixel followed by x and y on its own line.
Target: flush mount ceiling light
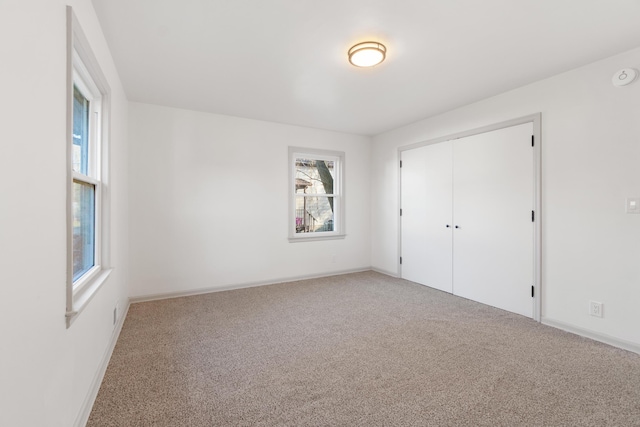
pixel 367 54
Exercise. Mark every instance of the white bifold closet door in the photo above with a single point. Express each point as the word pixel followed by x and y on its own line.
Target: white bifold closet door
pixel 493 200
pixel 486 253
pixel 426 211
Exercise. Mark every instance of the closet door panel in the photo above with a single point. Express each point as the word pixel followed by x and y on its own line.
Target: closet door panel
pixel 426 196
pixel 493 199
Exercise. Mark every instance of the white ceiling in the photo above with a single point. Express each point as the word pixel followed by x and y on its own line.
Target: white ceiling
pixel 286 60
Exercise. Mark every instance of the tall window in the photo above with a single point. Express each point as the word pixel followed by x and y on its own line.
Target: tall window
pixel 316 198
pixel 86 185
pixel 88 96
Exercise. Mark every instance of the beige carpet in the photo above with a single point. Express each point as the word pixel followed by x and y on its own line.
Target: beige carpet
pixel 357 350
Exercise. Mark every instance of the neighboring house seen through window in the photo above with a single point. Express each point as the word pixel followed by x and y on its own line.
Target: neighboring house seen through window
pixel 316 201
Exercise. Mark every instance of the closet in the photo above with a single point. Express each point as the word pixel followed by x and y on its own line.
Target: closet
pixel 467 217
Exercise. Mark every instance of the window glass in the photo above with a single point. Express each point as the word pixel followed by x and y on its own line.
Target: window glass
pixel 315 194
pixel 314 176
pixel 83 228
pixel 314 214
pixel 80 132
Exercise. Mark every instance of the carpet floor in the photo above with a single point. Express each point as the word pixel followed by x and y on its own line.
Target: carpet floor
pixel 360 349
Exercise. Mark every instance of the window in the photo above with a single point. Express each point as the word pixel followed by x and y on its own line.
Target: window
pixel 88 96
pixel 316 200
pixel 85 200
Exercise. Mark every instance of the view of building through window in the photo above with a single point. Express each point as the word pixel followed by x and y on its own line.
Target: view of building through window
pixel 314 195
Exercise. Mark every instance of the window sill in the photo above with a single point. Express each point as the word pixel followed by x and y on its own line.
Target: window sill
pixel 82 297
pixel 316 238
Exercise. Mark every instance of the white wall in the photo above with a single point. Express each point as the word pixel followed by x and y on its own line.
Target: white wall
pixel 209 202
pixel 46 370
pixel 590 164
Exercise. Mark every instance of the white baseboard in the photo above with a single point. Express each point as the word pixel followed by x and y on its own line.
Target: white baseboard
pixel 87 405
pixel 385 272
pixel 200 291
pixel 607 339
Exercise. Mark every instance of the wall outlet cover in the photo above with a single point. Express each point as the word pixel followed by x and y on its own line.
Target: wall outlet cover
pixel 596 308
pixel 633 205
pixel 116 313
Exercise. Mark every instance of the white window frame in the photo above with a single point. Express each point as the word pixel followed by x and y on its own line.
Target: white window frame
pixel 338 196
pixel 83 72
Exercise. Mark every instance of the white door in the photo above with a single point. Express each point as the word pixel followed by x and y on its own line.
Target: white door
pixel 426 225
pixel 493 200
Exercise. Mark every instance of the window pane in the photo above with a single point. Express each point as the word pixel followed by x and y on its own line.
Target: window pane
pixel 314 176
pixel 314 214
pixel 83 228
pixel 80 132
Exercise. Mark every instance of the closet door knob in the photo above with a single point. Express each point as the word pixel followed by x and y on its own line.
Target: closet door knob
pixel 457 226
pixel 448 226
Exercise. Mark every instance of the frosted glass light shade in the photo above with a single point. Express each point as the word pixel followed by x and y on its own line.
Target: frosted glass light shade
pixel 367 54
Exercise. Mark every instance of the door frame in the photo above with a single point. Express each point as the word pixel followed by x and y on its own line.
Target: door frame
pixel 535 119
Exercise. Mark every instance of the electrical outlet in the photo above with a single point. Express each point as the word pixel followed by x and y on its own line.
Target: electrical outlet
pixel 595 308
pixel 633 205
pixel 116 312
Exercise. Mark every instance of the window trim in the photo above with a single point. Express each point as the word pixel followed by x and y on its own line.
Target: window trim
pixel 83 71
pixel 338 194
